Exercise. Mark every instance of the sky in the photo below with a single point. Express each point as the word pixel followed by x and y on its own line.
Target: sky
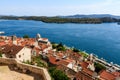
pixel 58 7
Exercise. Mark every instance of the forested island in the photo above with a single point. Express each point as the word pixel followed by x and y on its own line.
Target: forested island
pixel 58 19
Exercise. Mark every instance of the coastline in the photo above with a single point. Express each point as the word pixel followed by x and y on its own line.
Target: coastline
pixel 101 60
pixel 62 20
pixel 57 55
pixel 80 48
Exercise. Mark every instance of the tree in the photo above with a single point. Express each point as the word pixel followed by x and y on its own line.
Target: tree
pixel 25 36
pixel 99 67
pixel 76 50
pixel 40 63
pixel 54 46
pixel 60 47
pixel 0 54
pixel 58 74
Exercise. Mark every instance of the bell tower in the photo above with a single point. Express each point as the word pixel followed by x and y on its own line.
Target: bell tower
pixel 14 40
pixel 38 36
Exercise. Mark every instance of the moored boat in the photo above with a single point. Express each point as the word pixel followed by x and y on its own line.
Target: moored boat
pixel 2 32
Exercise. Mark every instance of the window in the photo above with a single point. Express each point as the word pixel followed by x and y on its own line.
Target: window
pixel 19 56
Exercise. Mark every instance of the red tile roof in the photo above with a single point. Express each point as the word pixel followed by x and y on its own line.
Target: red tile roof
pixel 117 74
pixel 44 39
pixel 11 49
pixel 83 76
pixel 2 43
pixel 107 75
pixel 52 60
pixel 84 64
pixel 25 41
pixel 89 72
pixel 43 46
pixel 63 62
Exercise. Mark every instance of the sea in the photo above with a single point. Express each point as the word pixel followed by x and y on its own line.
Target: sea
pixel 102 40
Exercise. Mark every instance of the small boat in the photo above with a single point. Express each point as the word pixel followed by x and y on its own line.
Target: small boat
pixel 2 32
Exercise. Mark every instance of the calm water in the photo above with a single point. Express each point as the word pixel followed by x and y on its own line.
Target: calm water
pixel 100 39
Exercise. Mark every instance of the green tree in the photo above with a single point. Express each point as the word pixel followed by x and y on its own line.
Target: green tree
pixel 0 54
pixel 54 46
pixel 60 47
pixel 58 74
pixel 84 54
pixel 99 67
pixel 39 62
pixel 26 36
pixel 76 50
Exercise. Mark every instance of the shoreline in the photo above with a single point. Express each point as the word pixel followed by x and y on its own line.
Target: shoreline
pixel 101 60
pixel 62 55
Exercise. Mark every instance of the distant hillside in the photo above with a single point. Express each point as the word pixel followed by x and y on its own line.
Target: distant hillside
pixel 91 16
pixel 82 19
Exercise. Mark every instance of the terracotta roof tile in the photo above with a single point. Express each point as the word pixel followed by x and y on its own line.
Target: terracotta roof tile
pixel 63 62
pixel 117 74
pixel 61 67
pixel 89 72
pixel 84 64
pixel 107 75
pixel 43 46
pixel 52 60
pixel 11 49
pixel 83 76
pixel 2 43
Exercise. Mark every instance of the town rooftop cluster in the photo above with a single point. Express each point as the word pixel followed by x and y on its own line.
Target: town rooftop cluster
pixel 74 64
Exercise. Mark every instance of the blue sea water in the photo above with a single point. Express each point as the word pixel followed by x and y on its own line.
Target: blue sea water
pixel 100 39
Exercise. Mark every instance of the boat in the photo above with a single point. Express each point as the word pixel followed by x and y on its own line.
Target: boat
pixel 2 32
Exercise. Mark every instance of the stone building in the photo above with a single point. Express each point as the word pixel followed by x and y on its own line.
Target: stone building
pixel 18 52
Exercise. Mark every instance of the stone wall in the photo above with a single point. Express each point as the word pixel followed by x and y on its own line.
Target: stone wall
pixel 38 70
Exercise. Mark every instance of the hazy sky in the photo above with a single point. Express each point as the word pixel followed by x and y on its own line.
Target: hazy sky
pixel 59 7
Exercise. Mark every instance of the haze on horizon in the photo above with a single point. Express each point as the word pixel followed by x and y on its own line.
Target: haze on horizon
pixel 61 7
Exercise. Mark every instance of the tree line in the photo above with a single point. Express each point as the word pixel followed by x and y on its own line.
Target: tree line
pixel 63 20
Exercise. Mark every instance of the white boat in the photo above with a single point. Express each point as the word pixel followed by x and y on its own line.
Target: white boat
pixel 2 32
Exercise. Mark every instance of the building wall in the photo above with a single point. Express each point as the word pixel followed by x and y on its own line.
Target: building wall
pixel 91 67
pixel 24 54
pixel 38 70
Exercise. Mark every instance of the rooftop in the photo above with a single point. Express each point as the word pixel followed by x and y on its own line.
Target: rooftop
pixel 107 75
pixel 10 49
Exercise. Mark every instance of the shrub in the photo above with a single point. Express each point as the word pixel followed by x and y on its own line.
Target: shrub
pixel 25 36
pixel 58 74
pixel 0 54
pixel 99 67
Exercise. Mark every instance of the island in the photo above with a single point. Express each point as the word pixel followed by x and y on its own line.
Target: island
pixel 81 19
